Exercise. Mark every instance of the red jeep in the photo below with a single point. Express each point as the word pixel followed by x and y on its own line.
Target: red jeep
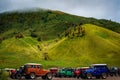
pixel 33 70
pixel 78 71
pixel 54 71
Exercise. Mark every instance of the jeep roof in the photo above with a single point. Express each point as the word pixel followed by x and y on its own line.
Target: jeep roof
pixel 99 65
pixel 81 67
pixel 53 68
pixel 9 69
pixel 32 64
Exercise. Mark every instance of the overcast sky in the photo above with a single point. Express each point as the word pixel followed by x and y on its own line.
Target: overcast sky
pixel 108 9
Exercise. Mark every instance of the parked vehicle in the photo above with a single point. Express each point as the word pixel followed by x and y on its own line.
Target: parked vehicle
pixel 65 72
pixel 33 70
pixel 17 74
pixel 119 71
pixel 9 70
pixel 96 70
pixel 54 71
pixel 113 71
pixel 60 73
pixel 13 74
pixel 5 73
pixel 78 71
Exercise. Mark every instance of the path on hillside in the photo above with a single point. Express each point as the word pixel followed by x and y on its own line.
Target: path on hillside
pixel 34 49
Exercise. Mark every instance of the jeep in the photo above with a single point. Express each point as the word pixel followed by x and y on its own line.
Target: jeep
pixel 13 74
pixel 33 70
pixel 97 70
pixel 113 71
pixel 65 72
pixel 78 71
pixel 9 70
pixel 18 73
pixel 119 71
pixel 54 71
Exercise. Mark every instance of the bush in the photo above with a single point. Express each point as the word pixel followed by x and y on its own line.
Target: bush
pixel 39 39
pixel 1 39
pixel 19 35
pixel 4 75
pixel 33 35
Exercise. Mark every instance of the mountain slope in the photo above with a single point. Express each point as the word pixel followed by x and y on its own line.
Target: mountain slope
pixel 14 52
pixel 40 37
pixel 99 45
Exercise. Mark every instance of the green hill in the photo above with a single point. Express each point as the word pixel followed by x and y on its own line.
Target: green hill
pixel 99 45
pixel 39 36
pixel 18 51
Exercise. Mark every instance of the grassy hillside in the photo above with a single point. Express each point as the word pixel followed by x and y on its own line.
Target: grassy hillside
pixel 99 45
pixel 39 36
pixel 18 51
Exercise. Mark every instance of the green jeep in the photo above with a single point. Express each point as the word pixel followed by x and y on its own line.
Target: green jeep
pixel 65 72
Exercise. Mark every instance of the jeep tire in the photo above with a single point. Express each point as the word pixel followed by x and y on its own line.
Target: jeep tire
pixel 18 76
pixel 27 77
pixel 97 77
pixel 89 75
pixel 12 76
pixel 32 76
pixel 49 76
pixel 78 76
pixel 43 77
pixel 104 75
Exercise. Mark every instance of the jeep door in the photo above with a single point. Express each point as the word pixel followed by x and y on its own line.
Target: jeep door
pixel 39 70
pixel 69 72
pixel 97 71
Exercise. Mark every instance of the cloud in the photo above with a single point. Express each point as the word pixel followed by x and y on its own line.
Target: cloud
pixel 109 9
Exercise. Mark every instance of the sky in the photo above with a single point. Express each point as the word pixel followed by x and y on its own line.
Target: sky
pixel 101 9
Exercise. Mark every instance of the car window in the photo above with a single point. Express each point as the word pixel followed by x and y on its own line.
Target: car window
pixel 100 67
pixel 26 66
pixel 91 66
pixel 33 66
pixel 39 66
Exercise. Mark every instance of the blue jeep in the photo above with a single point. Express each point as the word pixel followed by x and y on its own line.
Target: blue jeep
pixel 96 70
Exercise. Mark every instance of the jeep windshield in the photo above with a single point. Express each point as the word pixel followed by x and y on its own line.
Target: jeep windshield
pixel 62 70
pixel 91 67
pixel 96 67
pixel 26 66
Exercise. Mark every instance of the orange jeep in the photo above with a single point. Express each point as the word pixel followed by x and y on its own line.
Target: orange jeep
pixel 33 70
